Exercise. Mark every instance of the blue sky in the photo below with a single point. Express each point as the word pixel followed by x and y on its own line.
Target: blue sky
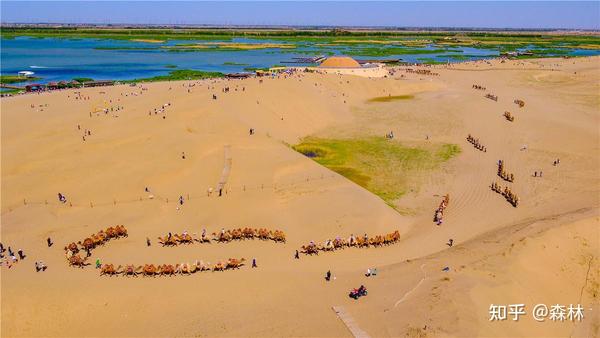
pixel 481 14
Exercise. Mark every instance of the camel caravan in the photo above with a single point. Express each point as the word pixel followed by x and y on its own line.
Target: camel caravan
pixel 478 87
pixel 511 197
pixel 360 242
pixel 439 212
pixel 519 102
pixel 421 72
pixel 509 117
pixel 503 174
pixel 476 144
pixel 152 270
pixel 491 97
pixel 90 243
pixel 225 236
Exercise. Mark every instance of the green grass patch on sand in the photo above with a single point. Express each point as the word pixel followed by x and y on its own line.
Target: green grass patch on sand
pixel 385 167
pixel 391 98
pixel 181 74
pixel 7 79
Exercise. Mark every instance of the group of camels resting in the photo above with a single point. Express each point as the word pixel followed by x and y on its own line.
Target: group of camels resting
pixel 152 270
pixel 510 117
pixel 89 243
pixel 224 236
pixel 352 241
pixel 476 144
pixel 503 174
pixel 478 87
pixel 491 97
pixel 439 212
pixel 511 197
pixel 521 103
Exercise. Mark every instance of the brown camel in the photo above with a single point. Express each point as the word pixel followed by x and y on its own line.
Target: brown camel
pixel 233 263
pixel 72 247
pixel 76 260
pixel 109 269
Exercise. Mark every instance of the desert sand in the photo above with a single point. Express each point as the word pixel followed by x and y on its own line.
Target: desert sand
pixel 543 251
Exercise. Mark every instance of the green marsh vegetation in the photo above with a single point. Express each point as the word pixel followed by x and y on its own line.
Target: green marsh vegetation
pixel 8 79
pixel 502 41
pixel 387 168
pixel 181 74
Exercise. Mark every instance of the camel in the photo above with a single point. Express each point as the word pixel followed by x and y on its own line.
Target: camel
pixel 310 249
pixel 339 243
pixel 131 270
pixel 187 268
pixel 184 239
pixel 72 248
pixel 220 266
pixel 278 236
pixel 87 244
pixel 121 231
pixel 248 233
pixel 76 260
pixel 223 237
pixel 167 241
pixel 149 270
pixel 109 269
pixel 111 232
pixel 263 234
pixel 233 263
pixel 203 239
pixel 236 234
pixel 168 269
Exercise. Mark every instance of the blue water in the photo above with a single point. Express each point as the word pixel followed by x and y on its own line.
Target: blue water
pixel 64 59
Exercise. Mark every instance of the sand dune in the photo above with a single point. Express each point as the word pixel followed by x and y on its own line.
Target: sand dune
pixel 539 252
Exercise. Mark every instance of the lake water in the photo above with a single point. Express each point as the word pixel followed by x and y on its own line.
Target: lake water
pixel 64 59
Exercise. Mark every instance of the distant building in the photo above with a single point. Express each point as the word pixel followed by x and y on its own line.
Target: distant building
pixel 25 73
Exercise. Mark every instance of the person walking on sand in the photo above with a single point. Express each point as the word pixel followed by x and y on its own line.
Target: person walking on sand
pixel 254 263
pixel 147 241
pixel 21 254
pixel 450 242
pixel 98 264
pixel 328 275
pixel 181 200
pixel 49 242
pixel 297 255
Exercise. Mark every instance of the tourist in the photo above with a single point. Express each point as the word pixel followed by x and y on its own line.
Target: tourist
pixel 21 254
pixel 98 264
pixel 450 242
pixel 62 197
pixel 183 155
pixel 328 275
pixel 297 255
pixel 49 242
pixel 254 263
pixel 147 241
pixel 181 200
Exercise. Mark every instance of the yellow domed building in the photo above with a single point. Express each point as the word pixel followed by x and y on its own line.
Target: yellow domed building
pixel 349 66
